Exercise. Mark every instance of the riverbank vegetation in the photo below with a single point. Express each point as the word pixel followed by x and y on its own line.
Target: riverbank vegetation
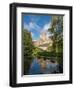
pixel 56 50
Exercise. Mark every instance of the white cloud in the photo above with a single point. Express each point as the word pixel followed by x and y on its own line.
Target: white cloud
pixel 32 34
pixel 32 25
pixel 45 29
pixel 26 26
pixel 47 26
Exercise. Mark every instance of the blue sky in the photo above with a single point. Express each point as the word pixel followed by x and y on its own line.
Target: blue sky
pixel 36 24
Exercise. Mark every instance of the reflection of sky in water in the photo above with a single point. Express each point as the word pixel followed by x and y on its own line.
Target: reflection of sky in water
pixel 50 68
pixel 35 68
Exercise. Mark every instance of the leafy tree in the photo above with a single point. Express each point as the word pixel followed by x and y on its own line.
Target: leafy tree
pixel 27 50
pixel 57 35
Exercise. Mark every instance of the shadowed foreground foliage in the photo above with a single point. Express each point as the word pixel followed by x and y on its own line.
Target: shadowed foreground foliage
pixel 27 50
pixel 56 50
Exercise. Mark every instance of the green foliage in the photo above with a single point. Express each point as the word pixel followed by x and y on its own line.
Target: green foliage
pixel 57 38
pixel 46 54
pixel 27 43
pixel 59 58
pixel 50 48
pixel 36 51
pixel 27 49
pixel 54 50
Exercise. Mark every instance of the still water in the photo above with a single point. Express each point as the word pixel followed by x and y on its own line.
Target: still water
pixel 36 68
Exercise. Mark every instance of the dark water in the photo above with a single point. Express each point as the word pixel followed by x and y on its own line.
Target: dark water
pixel 35 68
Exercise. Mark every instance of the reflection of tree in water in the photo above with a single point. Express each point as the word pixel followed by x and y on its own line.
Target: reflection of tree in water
pixel 27 50
pixel 41 66
pixel 30 51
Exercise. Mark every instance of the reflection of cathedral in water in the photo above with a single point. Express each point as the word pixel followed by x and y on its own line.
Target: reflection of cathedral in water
pixel 43 42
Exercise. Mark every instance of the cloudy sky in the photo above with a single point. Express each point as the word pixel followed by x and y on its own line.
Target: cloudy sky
pixel 36 24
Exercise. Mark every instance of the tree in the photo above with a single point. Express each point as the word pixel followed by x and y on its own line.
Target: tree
pixel 27 49
pixel 36 51
pixel 57 35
